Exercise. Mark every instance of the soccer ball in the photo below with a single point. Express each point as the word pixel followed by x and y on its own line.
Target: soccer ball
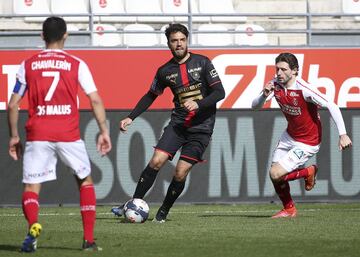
pixel 136 210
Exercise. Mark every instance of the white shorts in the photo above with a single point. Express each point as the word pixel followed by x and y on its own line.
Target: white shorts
pixel 291 154
pixel 40 158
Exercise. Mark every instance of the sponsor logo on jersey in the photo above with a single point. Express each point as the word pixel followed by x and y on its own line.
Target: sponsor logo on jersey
pixel 291 110
pixel 53 109
pixel 172 77
pixel 294 94
pixel 51 64
pixel 213 73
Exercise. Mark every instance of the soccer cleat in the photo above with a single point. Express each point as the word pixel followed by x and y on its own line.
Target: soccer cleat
pixel 118 211
pixel 310 180
pixel 286 213
pixel 30 243
pixel 87 246
pixel 160 216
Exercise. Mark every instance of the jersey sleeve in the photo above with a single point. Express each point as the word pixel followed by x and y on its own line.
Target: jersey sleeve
pixel 86 79
pixel 157 86
pixel 312 94
pixel 20 85
pixel 211 75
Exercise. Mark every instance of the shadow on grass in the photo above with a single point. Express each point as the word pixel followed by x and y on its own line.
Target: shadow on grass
pixel 10 248
pixel 234 215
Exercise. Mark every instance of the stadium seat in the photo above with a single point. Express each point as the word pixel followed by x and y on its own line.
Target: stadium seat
pixel 6 7
pixel 220 7
pixel 63 7
pixel 31 7
pixel 174 7
pixel 195 10
pixel 146 7
pixel 351 7
pixel 248 37
pixel 140 39
pixel 101 38
pixel 115 7
pixel 214 39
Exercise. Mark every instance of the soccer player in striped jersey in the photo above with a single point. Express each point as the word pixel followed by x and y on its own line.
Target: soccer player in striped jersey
pixel 298 101
pixel 51 79
pixel 197 88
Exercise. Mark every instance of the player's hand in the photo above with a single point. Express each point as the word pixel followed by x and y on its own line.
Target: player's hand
pixel 15 148
pixel 344 142
pixel 124 124
pixel 191 105
pixel 268 88
pixel 104 143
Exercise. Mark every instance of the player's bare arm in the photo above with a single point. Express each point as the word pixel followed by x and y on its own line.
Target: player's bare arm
pixel 103 142
pixel 124 124
pixel 15 146
pixel 191 105
pixel 344 142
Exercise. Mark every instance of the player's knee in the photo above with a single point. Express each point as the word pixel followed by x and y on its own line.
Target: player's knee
pixel 275 175
pixel 156 163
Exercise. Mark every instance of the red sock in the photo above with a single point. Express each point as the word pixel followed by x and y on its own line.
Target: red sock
pixel 30 206
pixel 296 174
pixel 88 211
pixel 283 191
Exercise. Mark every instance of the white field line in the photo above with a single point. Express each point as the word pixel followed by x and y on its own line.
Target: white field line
pixel 180 212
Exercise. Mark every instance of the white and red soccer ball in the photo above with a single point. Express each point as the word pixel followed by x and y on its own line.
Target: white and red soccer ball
pixel 136 210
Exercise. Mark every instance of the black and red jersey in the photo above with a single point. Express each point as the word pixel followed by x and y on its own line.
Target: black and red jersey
pixel 194 79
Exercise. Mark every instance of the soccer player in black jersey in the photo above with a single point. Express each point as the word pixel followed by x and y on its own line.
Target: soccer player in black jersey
pixel 197 88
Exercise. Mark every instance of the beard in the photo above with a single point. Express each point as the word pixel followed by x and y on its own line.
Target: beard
pixel 180 53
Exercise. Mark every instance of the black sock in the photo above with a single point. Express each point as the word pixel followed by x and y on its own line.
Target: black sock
pixel 145 182
pixel 174 191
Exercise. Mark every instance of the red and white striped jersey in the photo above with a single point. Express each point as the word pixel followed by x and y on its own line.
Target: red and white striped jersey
pixel 51 79
pixel 299 104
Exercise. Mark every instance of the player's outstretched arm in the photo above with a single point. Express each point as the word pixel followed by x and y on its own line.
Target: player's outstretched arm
pixel 103 142
pixel 344 142
pixel 15 146
pixel 124 124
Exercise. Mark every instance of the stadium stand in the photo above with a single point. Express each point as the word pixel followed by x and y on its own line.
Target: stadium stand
pixel 285 23
pixel 217 8
pixel 351 7
pixel 139 38
pixel 174 7
pixel 64 7
pixel 147 7
pixel 114 7
pixel 104 36
pixel 224 38
pixel 250 36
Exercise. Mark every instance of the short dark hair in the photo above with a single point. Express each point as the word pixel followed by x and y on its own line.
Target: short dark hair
pixel 176 27
pixel 53 29
pixel 290 59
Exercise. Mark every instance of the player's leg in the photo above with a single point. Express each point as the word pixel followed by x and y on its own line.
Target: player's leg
pixel 191 153
pixel 74 155
pixel 282 188
pixel 174 190
pixel 166 148
pixel 39 165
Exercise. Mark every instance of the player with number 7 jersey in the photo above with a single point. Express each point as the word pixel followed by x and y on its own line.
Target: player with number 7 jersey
pixel 51 79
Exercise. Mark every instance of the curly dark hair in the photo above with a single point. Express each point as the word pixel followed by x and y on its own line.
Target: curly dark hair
pixel 176 27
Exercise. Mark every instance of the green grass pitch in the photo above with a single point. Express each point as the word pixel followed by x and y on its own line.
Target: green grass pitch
pixel 195 230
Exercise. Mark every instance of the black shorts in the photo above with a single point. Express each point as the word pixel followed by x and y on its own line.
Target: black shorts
pixel 192 144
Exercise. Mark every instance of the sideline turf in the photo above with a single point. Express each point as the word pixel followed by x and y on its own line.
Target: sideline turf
pixel 196 230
